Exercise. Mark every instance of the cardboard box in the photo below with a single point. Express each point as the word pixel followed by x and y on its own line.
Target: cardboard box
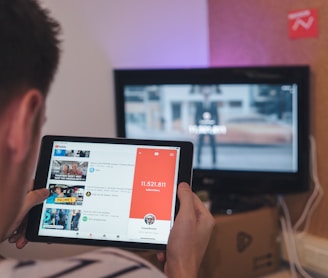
pixel 243 245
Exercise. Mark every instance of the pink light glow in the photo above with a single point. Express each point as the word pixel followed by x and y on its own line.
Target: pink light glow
pixel 252 33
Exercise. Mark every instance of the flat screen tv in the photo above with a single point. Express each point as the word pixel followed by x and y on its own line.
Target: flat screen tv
pixel 249 125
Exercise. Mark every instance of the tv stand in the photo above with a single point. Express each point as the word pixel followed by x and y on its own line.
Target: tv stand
pixel 231 204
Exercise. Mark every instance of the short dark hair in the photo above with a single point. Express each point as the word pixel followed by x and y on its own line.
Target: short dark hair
pixel 29 48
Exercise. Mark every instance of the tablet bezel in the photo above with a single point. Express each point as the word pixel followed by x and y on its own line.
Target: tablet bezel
pixel 42 170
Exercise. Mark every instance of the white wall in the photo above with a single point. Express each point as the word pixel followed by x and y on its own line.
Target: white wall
pixel 105 34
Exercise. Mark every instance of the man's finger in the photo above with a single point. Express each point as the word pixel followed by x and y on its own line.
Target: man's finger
pixel 185 197
pixel 32 199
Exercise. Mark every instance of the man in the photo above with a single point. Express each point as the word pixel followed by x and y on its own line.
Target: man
pixel 206 118
pixel 75 170
pixel 29 55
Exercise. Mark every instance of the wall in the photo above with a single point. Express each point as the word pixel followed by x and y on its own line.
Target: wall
pixel 98 37
pixel 255 32
pixel 117 34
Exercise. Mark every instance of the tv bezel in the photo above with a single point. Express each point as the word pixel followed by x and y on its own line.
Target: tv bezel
pixel 228 182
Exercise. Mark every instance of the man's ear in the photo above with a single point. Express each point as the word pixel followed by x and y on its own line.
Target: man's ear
pixel 26 123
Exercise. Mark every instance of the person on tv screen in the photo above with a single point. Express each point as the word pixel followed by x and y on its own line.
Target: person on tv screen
pixel 206 118
pixel 29 56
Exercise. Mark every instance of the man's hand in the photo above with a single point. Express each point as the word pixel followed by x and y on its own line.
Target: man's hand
pixel 32 198
pixel 189 236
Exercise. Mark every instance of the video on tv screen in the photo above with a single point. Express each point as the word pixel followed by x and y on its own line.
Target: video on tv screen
pixel 239 127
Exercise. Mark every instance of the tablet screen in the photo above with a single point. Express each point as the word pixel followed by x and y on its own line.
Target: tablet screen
pixel 103 191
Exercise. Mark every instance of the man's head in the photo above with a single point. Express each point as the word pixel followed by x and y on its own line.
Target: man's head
pixel 29 56
pixel 29 49
pixel 205 90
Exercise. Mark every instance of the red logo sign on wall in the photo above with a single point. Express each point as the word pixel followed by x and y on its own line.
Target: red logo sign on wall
pixel 303 23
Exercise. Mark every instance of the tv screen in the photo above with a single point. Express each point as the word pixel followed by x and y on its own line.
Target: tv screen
pixel 249 125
